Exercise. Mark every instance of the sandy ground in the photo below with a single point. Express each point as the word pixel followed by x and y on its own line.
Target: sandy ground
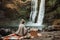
pixel 55 35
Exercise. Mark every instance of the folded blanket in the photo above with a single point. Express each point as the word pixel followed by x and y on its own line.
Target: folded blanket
pixel 32 34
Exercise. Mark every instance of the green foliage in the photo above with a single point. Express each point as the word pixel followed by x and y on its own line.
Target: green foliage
pixel 17 10
pixel 23 0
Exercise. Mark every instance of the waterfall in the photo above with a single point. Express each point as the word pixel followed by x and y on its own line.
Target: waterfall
pixel 33 14
pixel 34 4
pixel 41 12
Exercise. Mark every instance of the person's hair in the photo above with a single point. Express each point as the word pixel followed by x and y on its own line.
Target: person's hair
pixel 22 21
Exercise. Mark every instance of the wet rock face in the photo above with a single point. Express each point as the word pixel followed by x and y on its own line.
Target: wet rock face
pixel 52 9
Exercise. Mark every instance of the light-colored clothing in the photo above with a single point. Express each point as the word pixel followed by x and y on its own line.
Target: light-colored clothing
pixel 21 30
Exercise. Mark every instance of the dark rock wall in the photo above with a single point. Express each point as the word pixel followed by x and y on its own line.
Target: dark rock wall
pixel 52 11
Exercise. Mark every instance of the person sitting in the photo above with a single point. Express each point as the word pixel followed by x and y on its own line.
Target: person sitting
pixel 22 30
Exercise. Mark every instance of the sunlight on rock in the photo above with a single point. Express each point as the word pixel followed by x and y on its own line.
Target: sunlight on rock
pixel 39 34
pixel 12 6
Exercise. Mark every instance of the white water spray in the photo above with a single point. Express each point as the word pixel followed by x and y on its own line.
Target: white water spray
pixel 34 5
pixel 41 12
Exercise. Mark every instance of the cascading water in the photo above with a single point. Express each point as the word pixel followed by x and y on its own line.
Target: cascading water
pixel 34 4
pixel 41 12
